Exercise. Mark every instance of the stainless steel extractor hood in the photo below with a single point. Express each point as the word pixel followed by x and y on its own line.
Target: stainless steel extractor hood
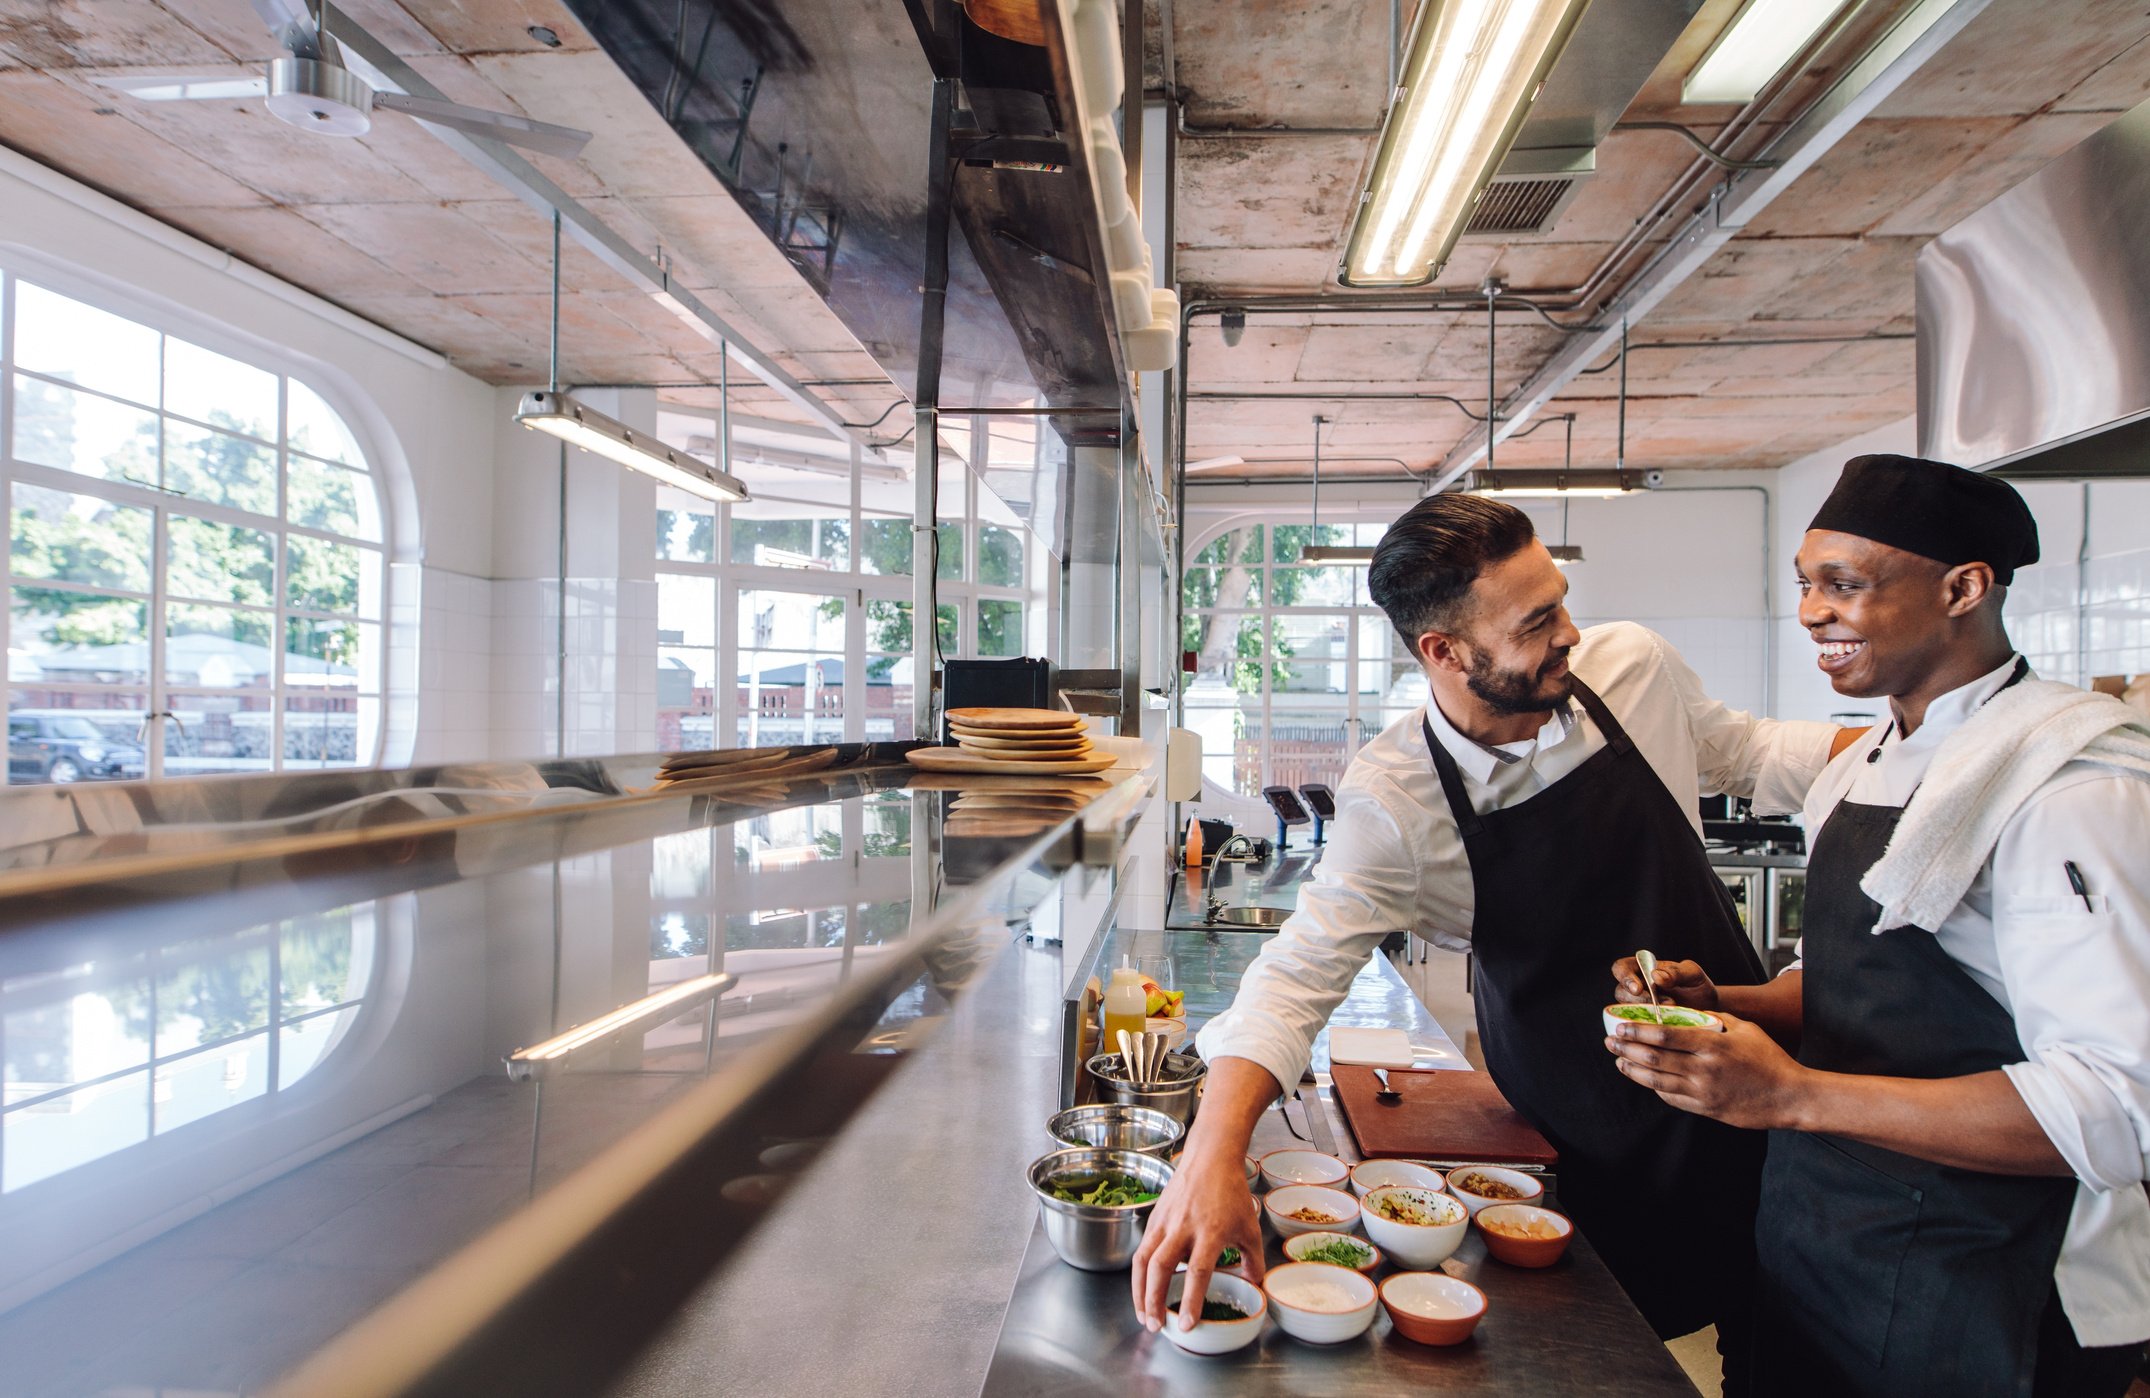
pixel 2034 320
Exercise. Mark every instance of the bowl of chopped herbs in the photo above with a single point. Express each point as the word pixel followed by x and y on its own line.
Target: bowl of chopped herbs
pixel 1094 1202
pixel 1231 1317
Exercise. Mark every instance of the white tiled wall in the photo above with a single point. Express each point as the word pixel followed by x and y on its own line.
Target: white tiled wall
pixel 454 653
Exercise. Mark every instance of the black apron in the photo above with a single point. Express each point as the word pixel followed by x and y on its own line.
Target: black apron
pixel 1882 1274
pixel 1601 862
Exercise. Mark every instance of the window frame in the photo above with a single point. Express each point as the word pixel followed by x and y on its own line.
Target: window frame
pixel 858 589
pixel 158 693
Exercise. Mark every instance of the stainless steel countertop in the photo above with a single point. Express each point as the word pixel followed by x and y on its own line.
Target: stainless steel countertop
pixel 259 1106
pixel 1566 1330
pixel 907 1260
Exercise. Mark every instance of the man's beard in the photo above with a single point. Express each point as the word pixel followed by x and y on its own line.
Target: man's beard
pixel 1518 691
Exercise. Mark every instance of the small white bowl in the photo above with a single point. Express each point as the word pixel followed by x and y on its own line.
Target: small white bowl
pixel 1320 1304
pixel 1417 1245
pixel 1369 1175
pixel 1678 1017
pixel 1529 1189
pixel 1297 1247
pixel 1217 1336
pixel 1341 1208
pixel 1283 1167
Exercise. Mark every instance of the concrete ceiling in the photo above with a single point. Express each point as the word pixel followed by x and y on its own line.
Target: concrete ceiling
pixel 1832 257
pixel 400 229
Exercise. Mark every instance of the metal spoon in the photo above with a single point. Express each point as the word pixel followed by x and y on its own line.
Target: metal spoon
pixel 1127 1056
pixel 1154 1055
pixel 1646 962
pixel 1385 1093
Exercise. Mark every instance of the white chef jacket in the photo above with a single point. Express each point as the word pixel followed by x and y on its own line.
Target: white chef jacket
pixel 2076 980
pixel 1395 862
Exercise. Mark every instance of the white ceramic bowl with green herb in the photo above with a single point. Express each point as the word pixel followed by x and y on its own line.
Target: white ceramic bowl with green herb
pixel 1336 1249
pixel 1224 1334
pixel 1673 1016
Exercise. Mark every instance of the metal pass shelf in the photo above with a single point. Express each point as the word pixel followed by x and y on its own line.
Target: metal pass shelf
pixel 460 1079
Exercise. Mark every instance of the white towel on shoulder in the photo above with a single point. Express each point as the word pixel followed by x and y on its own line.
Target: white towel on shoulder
pixel 1980 777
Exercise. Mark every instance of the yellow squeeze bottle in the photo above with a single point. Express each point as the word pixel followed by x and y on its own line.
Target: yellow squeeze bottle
pixel 1124 1006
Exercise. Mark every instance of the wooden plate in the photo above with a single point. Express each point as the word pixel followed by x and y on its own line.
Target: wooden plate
pixel 732 776
pixel 956 760
pixel 984 740
pixel 1018 720
pixel 709 764
pixel 1028 755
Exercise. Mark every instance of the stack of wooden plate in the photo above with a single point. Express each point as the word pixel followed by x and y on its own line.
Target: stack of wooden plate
pixel 740 766
pixel 1039 742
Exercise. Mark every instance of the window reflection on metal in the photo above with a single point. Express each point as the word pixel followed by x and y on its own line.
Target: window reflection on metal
pixel 109 1054
pixel 541 1060
pixel 824 222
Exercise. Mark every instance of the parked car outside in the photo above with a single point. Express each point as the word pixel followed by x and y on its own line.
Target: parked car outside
pixel 59 746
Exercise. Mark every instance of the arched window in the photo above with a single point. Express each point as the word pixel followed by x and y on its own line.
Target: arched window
pixel 195 562
pixel 1296 668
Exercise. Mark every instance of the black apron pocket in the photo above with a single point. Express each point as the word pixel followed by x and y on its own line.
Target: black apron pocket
pixel 1834 1234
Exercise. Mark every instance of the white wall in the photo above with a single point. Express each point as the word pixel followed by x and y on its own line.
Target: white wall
pixel 610 595
pixel 429 430
pixel 1686 563
pixel 2078 613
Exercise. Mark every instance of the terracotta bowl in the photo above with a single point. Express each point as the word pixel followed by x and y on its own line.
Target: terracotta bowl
pixel 1501 1224
pixel 1432 1308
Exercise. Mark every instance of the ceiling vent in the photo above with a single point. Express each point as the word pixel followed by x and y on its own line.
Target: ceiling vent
pixel 1520 206
pixel 1531 191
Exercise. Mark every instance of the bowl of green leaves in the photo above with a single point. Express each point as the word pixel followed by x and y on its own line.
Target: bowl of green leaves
pixel 1336 1249
pixel 1094 1202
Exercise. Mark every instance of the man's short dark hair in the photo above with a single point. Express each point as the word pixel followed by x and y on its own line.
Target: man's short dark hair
pixel 1424 566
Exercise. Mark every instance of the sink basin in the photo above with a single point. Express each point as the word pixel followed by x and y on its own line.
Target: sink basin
pixel 1251 916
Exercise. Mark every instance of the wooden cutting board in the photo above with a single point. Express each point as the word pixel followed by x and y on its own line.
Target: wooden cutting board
pixel 1445 1114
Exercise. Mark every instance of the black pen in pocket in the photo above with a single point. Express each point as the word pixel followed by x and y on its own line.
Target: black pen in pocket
pixel 2075 881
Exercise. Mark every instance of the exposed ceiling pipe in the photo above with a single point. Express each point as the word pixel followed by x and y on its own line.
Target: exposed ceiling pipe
pixel 1919 33
pixel 383 69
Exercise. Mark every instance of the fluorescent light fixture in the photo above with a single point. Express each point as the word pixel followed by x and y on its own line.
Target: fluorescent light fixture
pixel 1564 554
pixel 1215 463
pixel 1337 553
pixel 1474 67
pixel 581 426
pixel 1761 39
pixel 635 1017
pixel 1553 485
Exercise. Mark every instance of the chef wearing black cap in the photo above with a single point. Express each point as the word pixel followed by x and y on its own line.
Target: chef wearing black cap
pixel 1953 1201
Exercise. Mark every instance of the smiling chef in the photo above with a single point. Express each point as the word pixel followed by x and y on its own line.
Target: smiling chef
pixel 1540 812
pixel 1953 1201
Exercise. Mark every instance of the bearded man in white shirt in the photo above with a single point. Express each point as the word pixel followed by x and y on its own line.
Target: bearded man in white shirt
pixel 1541 813
pixel 1953 1202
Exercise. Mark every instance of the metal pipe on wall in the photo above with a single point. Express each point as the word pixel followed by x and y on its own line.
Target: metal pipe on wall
pixel 926 418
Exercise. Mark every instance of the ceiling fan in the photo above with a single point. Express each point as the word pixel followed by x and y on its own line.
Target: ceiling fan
pixel 310 88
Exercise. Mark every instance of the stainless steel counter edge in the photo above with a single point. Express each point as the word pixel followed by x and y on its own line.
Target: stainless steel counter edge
pixel 597 1263
pixel 890 1266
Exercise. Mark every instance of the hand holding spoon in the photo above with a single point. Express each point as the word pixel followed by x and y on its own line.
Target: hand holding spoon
pixel 1646 964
